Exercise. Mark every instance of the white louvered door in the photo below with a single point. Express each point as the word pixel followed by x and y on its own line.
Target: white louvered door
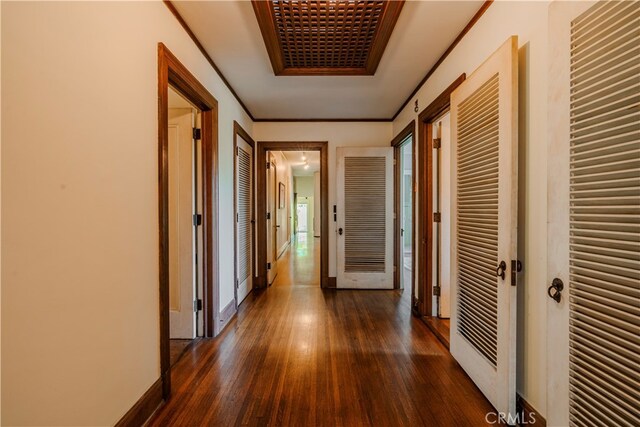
pixel 594 215
pixel 365 218
pixel 484 192
pixel 244 226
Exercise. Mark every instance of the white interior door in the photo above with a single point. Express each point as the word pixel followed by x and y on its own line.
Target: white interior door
pixel 272 221
pixel 365 218
pixel 593 243
pixel 244 218
pixel 443 128
pixel 181 228
pixel 484 142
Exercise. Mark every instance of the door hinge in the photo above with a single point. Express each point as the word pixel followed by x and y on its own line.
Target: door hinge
pixel 437 217
pixel 437 143
pixel 394 268
pixel 237 283
pixel 436 291
pixel 268 266
pixel 197 305
pixel 197 219
pixel 268 165
pixel 237 217
pixel 268 215
pixel 237 151
pixel 197 134
pixel 516 267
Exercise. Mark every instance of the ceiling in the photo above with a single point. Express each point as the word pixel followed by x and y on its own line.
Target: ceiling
pixel 229 32
pixel 297 161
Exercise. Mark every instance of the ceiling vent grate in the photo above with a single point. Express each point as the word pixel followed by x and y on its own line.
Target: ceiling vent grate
pixel 326 37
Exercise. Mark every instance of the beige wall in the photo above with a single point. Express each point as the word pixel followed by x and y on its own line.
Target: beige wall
pixel 79 228
pixel 528 20
pixel 349 134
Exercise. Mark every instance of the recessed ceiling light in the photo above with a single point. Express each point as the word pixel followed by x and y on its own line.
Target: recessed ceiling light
pixel 306 166
pixel 304 158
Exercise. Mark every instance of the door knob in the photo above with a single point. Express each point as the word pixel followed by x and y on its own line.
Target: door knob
pixel 340 231
pixel 501 269
pixel 555 290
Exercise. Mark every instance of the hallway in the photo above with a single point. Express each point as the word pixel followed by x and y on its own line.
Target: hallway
pixel 299 265
pixel 306 356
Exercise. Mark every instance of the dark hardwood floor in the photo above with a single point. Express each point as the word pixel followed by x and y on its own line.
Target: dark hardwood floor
pixel 303 356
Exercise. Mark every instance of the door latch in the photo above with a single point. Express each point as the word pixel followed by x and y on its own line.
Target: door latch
pixel 516 267
pixel 555 290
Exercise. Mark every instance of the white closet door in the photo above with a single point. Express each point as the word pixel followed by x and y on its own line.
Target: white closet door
pixel 365 218
pixel 244 227
pixel 593 313
pixel 181 229
pixel 484 194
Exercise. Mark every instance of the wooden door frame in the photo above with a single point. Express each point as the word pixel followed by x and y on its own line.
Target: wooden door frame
pixel 239 131
pixel 172 72
pixel 424 301
pixel 261 206
pixel 397 143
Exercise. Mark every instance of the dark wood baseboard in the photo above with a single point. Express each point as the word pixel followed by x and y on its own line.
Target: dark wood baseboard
pixel 227 314
pixel 440 330
pixel 530 416
pixel 144 407
pixel 331 283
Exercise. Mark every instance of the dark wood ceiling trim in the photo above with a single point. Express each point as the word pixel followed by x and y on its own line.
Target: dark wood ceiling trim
pixel 195 40
pixel 291 46
pixel 466 29
pixel 387 24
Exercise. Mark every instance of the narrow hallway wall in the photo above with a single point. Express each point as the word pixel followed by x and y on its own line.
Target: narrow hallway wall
pixel 80 247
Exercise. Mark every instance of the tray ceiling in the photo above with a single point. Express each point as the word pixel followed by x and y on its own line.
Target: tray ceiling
pixel 230 34
pixel 326 37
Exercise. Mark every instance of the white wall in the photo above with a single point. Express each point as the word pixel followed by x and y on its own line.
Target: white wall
pixel 528 20
pixel 349 134
pixel 79 159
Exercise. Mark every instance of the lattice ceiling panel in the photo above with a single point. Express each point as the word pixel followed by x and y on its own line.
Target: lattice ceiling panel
pixel 326 37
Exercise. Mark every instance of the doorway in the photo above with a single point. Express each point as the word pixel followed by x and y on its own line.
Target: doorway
pixel 431 209
pixel 298 261
pixel 278 216
pixel 244 226
pixel 185 230
pixel 302 210
pixel 202 174
pixel 404 208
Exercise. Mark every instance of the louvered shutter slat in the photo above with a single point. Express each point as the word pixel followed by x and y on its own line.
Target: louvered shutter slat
pixel 604 253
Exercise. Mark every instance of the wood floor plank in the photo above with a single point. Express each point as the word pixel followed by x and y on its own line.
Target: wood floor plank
pixel 303 356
